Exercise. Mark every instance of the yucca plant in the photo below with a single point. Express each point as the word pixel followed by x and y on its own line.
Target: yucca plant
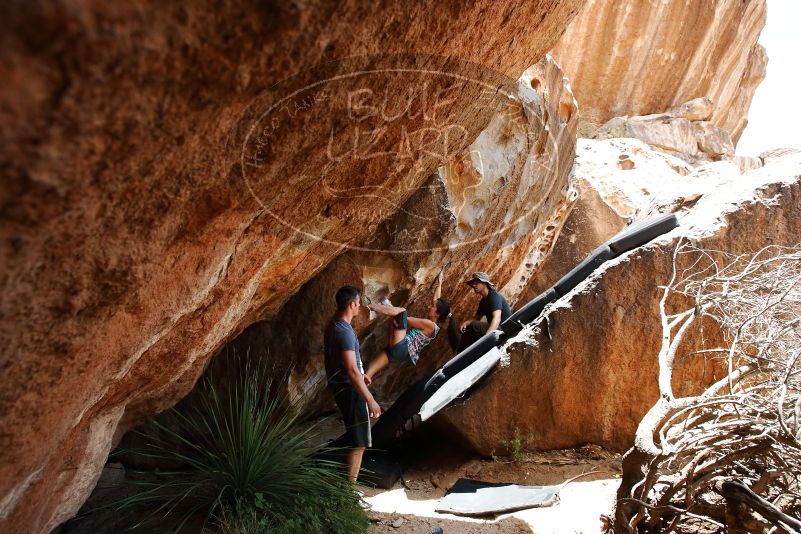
pixel 245 466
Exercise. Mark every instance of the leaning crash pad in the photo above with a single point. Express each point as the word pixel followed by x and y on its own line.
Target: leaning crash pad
pixel 459 383
pixel 528 313
pixel 641 232
pixel 380 469
pixel 391 425
pixel 580 272
pixel 476 498
pixel 461 361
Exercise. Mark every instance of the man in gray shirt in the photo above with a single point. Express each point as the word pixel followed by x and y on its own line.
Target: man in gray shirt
pixel 345 372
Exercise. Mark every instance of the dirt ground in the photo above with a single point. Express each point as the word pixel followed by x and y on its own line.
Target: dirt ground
pixel 410 505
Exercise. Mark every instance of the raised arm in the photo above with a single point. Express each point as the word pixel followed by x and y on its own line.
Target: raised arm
pixel 438 288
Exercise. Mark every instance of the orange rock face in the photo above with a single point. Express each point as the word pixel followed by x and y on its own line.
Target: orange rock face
pixel 590 373
pixel 629 57
pixel 492 208
pixel 172 174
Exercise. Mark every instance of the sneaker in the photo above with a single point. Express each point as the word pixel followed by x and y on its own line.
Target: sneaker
pixel 385 302
pixel 363 500
pixel 366 301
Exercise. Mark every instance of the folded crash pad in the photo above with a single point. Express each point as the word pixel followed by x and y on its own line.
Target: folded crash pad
pixel 475 498
pixel 642 232
pixel 380 469
pixel 528 313
pixel 580 272
pixel 459 383
pixel 459 363
pixel 392 423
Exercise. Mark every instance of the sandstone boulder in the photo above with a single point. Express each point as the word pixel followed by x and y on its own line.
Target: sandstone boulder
pixel 675 132
pixel 713 142
pixel 173 173
pixel 747 163
pixel 629 57
pixel 497 205
pixel 588 374
pixel 697 109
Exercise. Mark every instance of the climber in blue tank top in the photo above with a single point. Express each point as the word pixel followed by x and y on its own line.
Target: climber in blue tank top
pixel 408 335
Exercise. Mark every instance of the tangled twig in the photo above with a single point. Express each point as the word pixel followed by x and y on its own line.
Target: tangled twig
pixel 747 426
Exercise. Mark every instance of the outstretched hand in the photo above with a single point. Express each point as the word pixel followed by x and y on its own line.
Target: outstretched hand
pixel 367 380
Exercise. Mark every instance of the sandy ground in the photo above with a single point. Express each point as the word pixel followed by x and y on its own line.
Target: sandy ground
pixel 409 507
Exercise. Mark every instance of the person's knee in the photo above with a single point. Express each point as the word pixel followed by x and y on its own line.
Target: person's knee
pixel 401 320
pixel 478 328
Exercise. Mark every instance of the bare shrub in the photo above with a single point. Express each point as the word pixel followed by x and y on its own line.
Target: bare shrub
pixel 731 456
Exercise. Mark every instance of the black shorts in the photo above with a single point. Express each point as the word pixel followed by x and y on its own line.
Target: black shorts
pixel 475 330
pixel 354 414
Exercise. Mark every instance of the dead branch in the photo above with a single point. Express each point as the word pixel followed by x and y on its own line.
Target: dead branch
pixel 745 427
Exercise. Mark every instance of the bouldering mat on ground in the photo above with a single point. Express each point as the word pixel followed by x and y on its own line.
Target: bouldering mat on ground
pixel 475 498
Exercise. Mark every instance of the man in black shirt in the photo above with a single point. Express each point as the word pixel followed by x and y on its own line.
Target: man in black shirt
pixel 493 308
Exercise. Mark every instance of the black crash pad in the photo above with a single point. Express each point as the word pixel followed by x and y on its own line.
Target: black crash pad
pixel 380 469
pixel 392 423
pixel 528 313
pixel 475 498
pixel 580 272
pixel 642 232
pixel 459 363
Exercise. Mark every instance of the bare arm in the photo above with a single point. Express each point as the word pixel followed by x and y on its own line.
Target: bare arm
pixel 357 379
pixel 495 322
pixel 464 324
pixel 438 289
pixel 425 325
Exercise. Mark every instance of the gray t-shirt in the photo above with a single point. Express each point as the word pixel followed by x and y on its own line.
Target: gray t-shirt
pixel 339 337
